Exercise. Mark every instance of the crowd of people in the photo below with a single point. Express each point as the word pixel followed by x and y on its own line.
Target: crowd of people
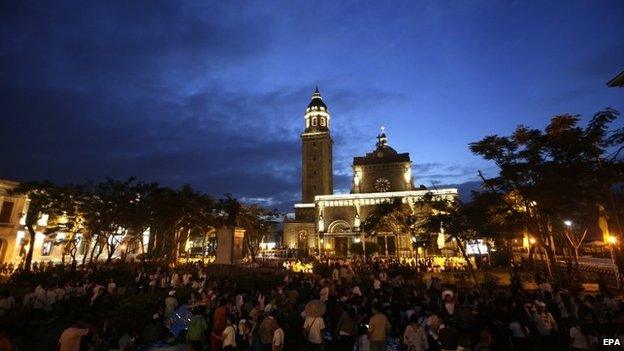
pixel 358 305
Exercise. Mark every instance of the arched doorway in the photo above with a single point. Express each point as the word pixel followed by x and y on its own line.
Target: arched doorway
pixel 341 242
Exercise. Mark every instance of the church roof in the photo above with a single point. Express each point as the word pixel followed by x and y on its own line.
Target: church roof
pixel 317 100
pixel 384 153
pixel 379 156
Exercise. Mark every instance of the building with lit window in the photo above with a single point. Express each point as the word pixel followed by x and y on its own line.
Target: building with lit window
pixel 14 238
pixel 330 223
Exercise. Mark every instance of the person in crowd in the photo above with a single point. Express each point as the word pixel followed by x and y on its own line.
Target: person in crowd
pixel 346 329
pixel 171 303
pixel 6 344
pixel 267 329
pixel 448 336
pixel 545 325
pixel 378 329
pixel 578 340
pixel 520 332
pixel 229 335
pixel 196 332
pixel 313 329
pixel 269 314
pixel 71 337
pixel 414 336
pixel 219 323
pixel 278 337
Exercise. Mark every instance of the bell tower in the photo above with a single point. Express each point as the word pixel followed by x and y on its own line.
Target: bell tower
pixel 316 168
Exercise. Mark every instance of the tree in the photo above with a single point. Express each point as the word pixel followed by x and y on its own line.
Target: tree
pixel 561 173
pixel 174 214
pixel 454 219
pixel 258 223
pixel 70 220
pixel 394 216
pixel 43 199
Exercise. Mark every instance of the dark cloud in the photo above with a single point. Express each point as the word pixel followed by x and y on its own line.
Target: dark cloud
pixel 111 89
pixel 212 93
pixel 125 48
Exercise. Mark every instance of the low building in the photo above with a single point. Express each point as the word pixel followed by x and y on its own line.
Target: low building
pixel 14 237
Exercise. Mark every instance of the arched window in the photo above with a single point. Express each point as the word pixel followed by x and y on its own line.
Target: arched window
pixel 314 121
pixel 322 121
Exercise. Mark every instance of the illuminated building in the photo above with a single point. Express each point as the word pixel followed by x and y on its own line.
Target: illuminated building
pixel 14 238
pixel 331 221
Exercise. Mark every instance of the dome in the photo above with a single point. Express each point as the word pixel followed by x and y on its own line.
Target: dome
pixel 317 100
pixel 383 153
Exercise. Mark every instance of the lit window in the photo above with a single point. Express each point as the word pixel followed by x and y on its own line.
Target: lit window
pixel 5 211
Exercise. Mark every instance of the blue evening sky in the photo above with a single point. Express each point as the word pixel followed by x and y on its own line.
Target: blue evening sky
pixel 212 93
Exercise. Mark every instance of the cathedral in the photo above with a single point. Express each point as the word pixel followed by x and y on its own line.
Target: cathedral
pixel 330 223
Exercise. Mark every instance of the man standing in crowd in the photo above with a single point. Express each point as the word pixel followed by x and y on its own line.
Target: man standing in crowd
pixel 378 329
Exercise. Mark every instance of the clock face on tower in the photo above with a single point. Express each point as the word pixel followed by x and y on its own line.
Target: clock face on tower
pixel 382 184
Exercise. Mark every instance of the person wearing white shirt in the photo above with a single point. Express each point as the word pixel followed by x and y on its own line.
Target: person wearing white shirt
pixel 314 327
pixel 229 337
pixel 40 298
pixel 414 336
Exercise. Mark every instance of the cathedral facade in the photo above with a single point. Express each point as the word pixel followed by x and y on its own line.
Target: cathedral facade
pixel 330 223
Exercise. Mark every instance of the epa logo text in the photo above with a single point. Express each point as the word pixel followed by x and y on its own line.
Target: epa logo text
pixel 611 342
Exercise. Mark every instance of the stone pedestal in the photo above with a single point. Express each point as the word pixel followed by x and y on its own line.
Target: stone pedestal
pixel 229 245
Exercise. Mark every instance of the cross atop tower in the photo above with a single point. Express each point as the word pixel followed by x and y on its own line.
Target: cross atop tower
pixel 382 139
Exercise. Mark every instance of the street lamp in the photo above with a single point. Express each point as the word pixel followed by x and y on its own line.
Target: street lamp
pixel 568 223
pixel 612 241
pixel 532 242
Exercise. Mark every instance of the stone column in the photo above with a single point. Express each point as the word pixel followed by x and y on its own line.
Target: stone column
pixel 229 245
